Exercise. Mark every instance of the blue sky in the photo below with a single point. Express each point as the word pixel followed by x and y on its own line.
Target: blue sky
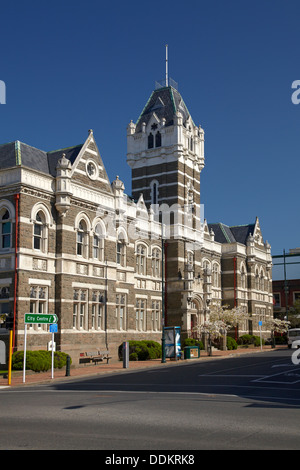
pixel 70 66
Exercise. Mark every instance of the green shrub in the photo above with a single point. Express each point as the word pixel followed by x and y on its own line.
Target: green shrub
pixel 231 343
pixel 256 340
pixel 245 339
pixel 142 350
pixel 133 356
pixel 38 361
pixel 250 339
pixel 192 342
pixel 60 359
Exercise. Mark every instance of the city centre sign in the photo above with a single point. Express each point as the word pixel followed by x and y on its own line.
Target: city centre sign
pixel 40 318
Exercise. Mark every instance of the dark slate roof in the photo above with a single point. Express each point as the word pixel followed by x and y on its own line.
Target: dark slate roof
pixel 165 102
pixel 235 234
pixel 20 154
pixel 53 157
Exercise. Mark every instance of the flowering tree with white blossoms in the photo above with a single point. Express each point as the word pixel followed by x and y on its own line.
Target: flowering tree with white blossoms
pixel 221 319
pixel 277 325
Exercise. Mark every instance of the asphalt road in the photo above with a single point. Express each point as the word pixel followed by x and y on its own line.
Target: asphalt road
pixel 246 402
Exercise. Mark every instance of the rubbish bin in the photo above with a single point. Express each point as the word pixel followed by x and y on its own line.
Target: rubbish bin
pixel 191 352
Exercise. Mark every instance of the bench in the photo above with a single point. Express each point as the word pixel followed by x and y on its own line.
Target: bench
pixel 94 356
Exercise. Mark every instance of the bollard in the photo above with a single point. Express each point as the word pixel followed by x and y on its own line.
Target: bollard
pixel 68 364
pixel 125 355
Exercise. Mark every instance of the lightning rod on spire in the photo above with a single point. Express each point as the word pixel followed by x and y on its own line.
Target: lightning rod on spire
pixel 167 80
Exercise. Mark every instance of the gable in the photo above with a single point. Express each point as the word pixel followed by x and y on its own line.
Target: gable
pixel 88 168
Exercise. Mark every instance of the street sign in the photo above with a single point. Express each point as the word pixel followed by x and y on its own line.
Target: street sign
pixel 53 328
pixel 40 318
pixel 260 323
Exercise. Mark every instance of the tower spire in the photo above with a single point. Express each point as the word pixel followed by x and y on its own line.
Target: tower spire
pixel 167 79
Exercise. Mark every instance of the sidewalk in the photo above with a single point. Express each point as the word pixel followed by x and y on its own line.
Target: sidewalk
pixel 32 378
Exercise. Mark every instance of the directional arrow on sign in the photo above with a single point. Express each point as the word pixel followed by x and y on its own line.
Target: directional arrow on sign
pixel 40 318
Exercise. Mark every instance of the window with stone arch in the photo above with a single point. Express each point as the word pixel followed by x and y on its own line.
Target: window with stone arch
pixel 41 221
pixel 154 191
pixel 82 228
pixel 121 248
pixel 6 228
pixel 98 242
pixel 141 259
pixel 262 280
pixel 243 276
pixel 156 262
pixel 256 279
pixel 150 141
pixel 158 139
pixel 216 275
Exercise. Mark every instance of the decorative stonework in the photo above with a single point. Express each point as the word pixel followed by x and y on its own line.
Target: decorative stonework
pixel 39 264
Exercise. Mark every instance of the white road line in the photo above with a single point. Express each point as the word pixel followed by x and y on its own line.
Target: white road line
pixel 229 375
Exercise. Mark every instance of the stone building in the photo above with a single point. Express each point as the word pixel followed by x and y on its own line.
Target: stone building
pixel 75 244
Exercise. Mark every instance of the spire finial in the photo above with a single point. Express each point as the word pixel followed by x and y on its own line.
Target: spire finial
pixel 167 80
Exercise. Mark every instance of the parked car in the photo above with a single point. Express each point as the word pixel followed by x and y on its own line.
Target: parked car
pixel 293 336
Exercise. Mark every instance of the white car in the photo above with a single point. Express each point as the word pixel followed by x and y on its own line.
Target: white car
pixel 293 336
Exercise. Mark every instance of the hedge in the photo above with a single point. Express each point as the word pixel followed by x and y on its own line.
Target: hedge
pixel 250 339
pixel 38 361
pixel 142 350
pixel 192 342
pixel 231 343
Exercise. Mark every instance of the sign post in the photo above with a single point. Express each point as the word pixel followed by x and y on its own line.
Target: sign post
pixel 36 318
pixel 260 325
pixel 52 329
pixel 24 358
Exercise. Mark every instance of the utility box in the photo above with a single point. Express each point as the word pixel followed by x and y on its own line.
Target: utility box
pixel 191 352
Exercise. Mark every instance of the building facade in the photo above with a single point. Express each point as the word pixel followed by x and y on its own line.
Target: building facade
pixel 75 244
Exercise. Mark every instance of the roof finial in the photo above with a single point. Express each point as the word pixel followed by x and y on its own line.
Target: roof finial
pixel 167 80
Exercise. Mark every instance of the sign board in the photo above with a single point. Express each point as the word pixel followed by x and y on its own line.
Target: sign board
pixel 51 346
pixel 40 318
pixel 53 328
pixel 260 323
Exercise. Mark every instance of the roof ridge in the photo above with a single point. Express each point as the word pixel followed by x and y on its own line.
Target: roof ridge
pixel 65 148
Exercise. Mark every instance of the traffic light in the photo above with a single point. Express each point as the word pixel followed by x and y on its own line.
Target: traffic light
pixel 9 322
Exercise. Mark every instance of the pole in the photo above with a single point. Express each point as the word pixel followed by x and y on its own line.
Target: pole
pixel 163 339
pixel 125 355
pixel 10 356
pixel 17 197
pixel 24 359
pixel 167 79
pixel 260 335
pixel 52 361
pixel 285 288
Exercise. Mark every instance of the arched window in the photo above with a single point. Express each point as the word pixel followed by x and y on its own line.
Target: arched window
pixel 98 243
pixel 256 280
pixel 121 251
pixel 82 239
pixel 141 256
pixel 150 141
pixel 158 139
pixel 156 262
pixel 5 229
pixel 243 277
pixel 154 191
pixel 215 275
pixel 262 281
pixel 39 232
